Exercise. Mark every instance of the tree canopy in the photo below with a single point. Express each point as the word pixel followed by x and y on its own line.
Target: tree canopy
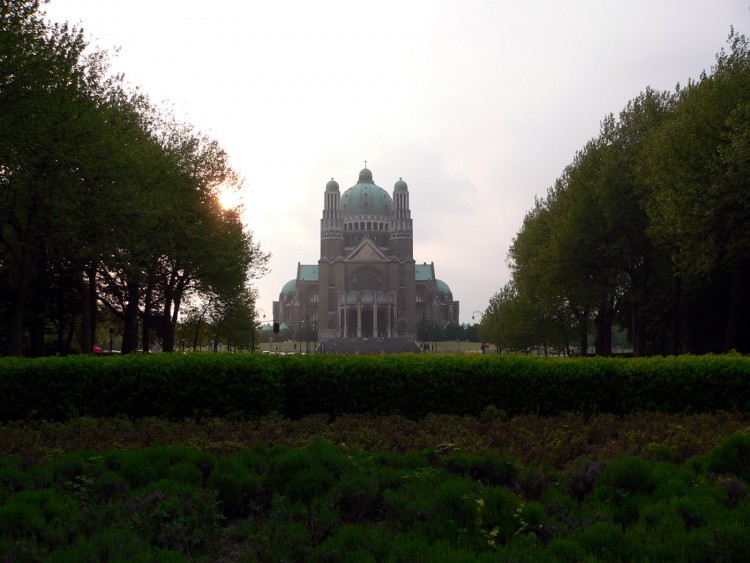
pixel 647 230
pixel 107 202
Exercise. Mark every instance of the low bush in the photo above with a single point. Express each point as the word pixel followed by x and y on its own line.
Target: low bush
pixel 321 503
pixel 237 386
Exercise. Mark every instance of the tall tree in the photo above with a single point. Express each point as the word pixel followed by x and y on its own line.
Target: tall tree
pixel 698 169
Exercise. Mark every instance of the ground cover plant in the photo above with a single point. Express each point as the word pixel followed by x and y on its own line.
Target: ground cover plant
pixel 324 502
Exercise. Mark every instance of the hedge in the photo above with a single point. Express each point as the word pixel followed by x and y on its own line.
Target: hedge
pixel 246 386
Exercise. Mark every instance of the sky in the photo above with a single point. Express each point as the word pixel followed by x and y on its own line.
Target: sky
pixel 477 104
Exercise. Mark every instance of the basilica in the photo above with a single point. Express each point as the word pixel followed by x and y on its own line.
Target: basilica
pixel 366 284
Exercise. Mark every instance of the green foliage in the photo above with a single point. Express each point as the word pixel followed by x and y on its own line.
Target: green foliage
pixel 237 487
pixel 731 457
pixel 175 516
pixel 237 386
pixel 255 506
pixel 40 514
pixel 104 196
pixel 116 544
pixel 645 230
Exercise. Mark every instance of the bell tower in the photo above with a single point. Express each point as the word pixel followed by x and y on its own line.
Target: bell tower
pixel 402 232
pixel 331 233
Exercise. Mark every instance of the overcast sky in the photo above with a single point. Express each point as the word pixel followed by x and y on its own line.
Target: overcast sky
pixel 477 104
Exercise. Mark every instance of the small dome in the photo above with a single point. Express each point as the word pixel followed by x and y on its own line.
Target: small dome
pixel 365 176
pixel 289 287
pixel 442 287
pixel 400 186
pixel 332 186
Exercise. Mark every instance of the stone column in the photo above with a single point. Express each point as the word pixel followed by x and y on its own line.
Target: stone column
pixel 390 312
pixel 359 316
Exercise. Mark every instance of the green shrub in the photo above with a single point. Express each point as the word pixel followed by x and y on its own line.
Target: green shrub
pixel 565 551
pixel 133 466
pixel 405 506
pixel 12 477
pixel 49 517
pixel 496 515
pixel 698 510
pixel 453 513
pixel 117 544
pixel 285 540
pixel 606 542
pixel 306 473
pixel 358 496
pixel 628 474
pixel 731 457
pixel 352 542
pixel 186 472
pixel 237 488
pixel 582 478
pixel 310 483
pixel 246 386
pixel 532 519
pixel 20 519
pixel 174 515
pixel 21 549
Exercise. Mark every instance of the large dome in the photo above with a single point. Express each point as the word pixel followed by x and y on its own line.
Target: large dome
pixel 366 198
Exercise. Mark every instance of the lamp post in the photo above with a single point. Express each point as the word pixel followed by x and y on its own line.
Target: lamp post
pixel 264 320
pixel 480 313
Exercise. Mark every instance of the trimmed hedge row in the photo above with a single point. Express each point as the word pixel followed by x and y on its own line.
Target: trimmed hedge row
pixel 246 386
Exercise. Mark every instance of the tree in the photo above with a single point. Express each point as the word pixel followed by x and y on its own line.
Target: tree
pixel 103 197
pixel 697 165
pixel 48 125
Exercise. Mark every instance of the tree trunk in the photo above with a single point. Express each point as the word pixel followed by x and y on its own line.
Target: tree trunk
pixel 147 310
pixel 639 296
pixel 88 307
pixel 736 298
pixel 197 332
pixel 26 272
pixel 583 330
pixel 603 323
pixel 92 297
pixel 673 338
pixel 86 337
pixel 130 320
pixel 167 344
pixel 15 326
pixel 37 317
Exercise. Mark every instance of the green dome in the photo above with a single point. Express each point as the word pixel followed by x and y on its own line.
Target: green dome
pixel 365 198
pixel 332 186
pixel 442 287
pixel 400 186
pixel 289 287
